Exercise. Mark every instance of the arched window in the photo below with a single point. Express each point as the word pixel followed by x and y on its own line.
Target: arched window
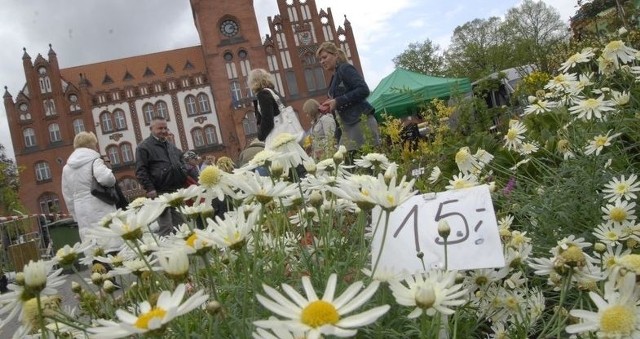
pixel 119 120
pixel 129 184
pixel 78 126
pixel 54 133
pixel 29 137
pixel 203 103
pixel 250 124
pixel 148 112
pixel 210 135
pixel 114 155
pixel 49 203
pixel 105 122
pixel 162 110
pixel 43 171
pixel 49 107
pixel 190 104
pixel 198 137
pixel 45 84
pixel 127 152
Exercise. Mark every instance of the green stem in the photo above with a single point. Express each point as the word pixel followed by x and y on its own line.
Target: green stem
pixel 384 238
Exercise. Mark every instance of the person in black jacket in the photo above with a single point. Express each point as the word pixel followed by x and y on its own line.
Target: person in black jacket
pixel 347 96
pixel 160 169
pixel 261 82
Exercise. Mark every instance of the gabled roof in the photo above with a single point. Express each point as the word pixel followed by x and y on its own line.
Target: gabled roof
pixel 146 68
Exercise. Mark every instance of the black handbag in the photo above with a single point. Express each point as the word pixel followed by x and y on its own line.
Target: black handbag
pixel 107 195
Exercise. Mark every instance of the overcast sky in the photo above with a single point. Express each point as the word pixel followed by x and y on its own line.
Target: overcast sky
pixel 88 31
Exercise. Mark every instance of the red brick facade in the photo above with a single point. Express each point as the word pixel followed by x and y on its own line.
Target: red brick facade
pixel 202 90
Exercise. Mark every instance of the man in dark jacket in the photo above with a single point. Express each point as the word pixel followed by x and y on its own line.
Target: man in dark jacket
pixel 160 169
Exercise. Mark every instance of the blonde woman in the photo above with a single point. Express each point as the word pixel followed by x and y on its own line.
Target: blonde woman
pixel 77 176
pixel 347 97
pixel 323 129
pixel 261 82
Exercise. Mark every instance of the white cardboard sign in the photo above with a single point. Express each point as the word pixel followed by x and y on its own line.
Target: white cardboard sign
pixel 474 241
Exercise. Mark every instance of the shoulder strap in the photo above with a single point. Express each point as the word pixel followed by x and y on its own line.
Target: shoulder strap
pixel 93 163
pixel 276 97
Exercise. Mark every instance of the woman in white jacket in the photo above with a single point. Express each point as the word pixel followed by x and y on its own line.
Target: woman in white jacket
pixel 86 209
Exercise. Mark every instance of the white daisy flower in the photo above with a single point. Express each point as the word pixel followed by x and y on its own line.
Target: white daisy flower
pixel 597 144
pixel 320 317
pixel 621 188
pixel 462 181
pixel 174 264
pixel 540 106
pixel 232 232
pixel 590 108
pixel 431 292
pixel 616 49
pixel 465 160
pixel 391 195
pixel 581 57
pixel 264 189
pixel 527 148
pixel 620 213
pixel 561 81
pixel 149 318
pixel 435 174
pixel 618 315
pixel 376 161
pixel 37 278
pixel 620 98
pixel 515 134
pixel 608 234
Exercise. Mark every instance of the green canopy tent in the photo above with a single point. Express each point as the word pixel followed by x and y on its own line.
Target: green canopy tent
pixel 400 92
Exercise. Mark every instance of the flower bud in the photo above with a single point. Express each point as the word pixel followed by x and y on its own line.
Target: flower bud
pixel 75 287
pixel 213 307
pixel 425 297
pixel 444 229
pixel 96 278
pixel 108 286
pixel 600 247
pixel 316 199
pixel 338 158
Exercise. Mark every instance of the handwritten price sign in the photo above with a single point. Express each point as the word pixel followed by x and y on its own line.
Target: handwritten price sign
pixel 473 243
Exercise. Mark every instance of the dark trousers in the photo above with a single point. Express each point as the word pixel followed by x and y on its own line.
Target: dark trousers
pixel 169 219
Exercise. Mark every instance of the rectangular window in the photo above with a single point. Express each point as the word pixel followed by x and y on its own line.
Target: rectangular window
pixel 292 83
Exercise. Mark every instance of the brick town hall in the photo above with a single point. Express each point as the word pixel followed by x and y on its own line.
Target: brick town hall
pixel 201 90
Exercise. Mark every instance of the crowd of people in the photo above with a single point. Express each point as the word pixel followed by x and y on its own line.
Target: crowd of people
pixel 340 120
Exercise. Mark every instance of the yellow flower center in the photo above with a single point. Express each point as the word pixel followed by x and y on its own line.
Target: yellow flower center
pixel 631 262
pixel 622 188
pixel 210 176
pixel 600 141
pixel 613 236
pixel 617 319
pixel 481 281
pixel 618 214
pixel 191 241
pixel 144 319
pixel 573 256
pixel 512 303
pixel 391 199
pixel 591 103
pixel 233 239
pixel 462 157
pixel 319 313
pixel 512 134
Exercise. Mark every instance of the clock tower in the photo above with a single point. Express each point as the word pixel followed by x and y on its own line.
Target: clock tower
pixel 231 47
